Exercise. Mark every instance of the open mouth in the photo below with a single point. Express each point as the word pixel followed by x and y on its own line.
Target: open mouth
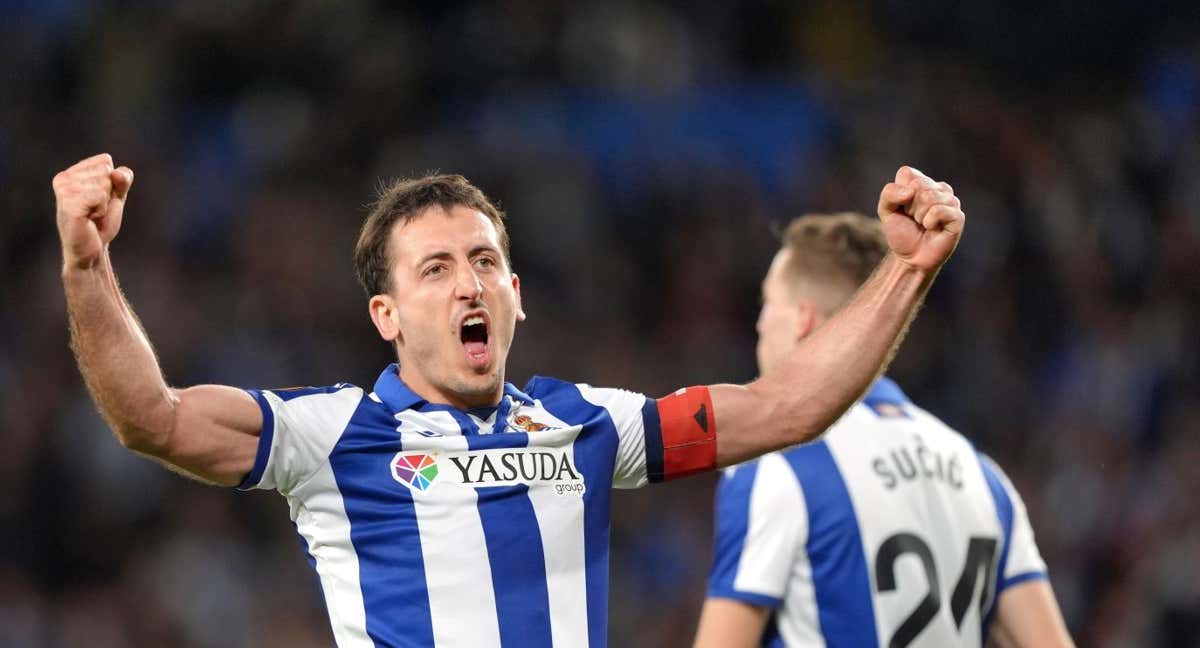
pixel 474 336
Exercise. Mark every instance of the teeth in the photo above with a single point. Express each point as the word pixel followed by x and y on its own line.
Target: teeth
pixel 472 321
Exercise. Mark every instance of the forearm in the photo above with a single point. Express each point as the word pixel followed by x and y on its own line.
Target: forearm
pixel 115 357
pixel 1028 615
pixel 726 623
pixel 834 366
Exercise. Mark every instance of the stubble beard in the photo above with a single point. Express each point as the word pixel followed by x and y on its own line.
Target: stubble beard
pixel 485 385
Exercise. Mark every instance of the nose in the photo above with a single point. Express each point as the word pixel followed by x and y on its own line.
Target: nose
pixel 468 286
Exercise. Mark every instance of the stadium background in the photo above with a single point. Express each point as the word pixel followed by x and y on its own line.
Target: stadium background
pixel 642 152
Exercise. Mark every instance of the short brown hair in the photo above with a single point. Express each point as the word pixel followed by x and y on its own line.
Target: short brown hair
pixel 836 252
pixel 404 200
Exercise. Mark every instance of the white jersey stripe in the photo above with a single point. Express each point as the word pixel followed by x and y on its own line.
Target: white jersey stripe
pixel 562 543
pixel 320 516
pixel 769 543
pixel 461 605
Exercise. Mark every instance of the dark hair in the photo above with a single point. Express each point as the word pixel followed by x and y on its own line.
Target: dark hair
pixel 840 250
pixel 404 200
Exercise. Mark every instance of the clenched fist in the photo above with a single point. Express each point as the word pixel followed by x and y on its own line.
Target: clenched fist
pixel 90 198
pixel 922 219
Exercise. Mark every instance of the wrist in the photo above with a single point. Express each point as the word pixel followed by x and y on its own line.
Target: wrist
pixel 73 266
pixel 892 264
pixel 73 263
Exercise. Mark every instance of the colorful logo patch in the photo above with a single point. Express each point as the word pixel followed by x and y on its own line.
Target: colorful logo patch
pixel 417 470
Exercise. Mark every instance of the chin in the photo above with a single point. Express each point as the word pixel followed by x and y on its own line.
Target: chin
pixel 478 384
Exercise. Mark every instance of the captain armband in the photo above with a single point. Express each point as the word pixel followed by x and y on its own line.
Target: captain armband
pixel 688 432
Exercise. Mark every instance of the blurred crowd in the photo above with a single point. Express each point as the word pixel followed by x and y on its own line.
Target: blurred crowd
pixel 645 154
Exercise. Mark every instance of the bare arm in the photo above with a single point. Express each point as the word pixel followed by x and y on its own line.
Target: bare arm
pixel 835 365
pixel 210 432
pixel 725 623
pixel 1028 617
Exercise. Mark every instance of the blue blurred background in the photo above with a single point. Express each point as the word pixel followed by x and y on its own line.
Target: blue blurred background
pixel 644 152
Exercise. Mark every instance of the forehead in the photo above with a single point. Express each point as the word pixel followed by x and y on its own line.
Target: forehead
pixel 437 230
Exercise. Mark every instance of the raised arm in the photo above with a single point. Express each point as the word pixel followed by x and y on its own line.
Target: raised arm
pixel 835 365
pixel 209 432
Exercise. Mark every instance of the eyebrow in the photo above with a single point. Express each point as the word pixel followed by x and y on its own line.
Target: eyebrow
pixel 442 254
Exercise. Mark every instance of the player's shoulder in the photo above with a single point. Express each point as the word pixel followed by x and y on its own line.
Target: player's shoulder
pixel 993 472
pixel 286 394
pixel 540 386
pixel 543 387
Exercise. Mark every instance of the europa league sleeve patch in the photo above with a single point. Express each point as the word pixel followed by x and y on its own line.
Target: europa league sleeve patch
pixel 689 433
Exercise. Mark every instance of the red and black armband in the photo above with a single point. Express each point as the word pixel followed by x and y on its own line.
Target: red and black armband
pixel 681 435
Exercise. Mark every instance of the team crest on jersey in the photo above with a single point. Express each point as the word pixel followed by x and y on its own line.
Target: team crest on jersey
pixel 417 470
pixel 527 424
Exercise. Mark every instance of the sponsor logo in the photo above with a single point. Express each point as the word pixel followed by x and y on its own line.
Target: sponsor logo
pixel 415 470
pixel 534 467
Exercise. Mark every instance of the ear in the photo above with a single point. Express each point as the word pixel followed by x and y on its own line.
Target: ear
pixel 808 318
pixel 516 284
pixel 386 317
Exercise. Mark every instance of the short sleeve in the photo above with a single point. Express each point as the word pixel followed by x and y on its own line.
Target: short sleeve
pixel 300 428
pixel 635 436
pixel 1020 560
pixel 761 525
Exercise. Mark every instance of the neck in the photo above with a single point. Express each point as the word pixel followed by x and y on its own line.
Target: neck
pixel 443 395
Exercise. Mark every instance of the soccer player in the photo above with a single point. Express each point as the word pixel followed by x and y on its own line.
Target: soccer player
pixel 445 506
pixel 891 530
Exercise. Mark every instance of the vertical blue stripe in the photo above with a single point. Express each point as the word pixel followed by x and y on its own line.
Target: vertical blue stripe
pixel 518 562
pixel 515 553
pixel 652 423
pixel 1004 511
pixel 383 529
pixel 595 456
pixel 835 550
pixel 732 520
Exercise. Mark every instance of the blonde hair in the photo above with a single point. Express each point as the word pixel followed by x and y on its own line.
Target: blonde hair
pixel 831 256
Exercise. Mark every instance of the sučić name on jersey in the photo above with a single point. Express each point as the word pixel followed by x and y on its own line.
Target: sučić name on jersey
pixel 910 461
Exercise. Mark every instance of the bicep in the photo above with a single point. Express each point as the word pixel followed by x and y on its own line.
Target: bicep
pixel 726 623
pixel 215 433
pixel 1027 615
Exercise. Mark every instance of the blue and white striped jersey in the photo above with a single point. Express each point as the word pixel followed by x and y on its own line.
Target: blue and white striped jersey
pixel 891 531
pixel 432 526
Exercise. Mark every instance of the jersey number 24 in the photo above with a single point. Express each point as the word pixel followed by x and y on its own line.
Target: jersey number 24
pixel 980 554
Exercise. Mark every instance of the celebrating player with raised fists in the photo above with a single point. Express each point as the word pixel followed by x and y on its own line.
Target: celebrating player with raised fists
pixel 446 506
